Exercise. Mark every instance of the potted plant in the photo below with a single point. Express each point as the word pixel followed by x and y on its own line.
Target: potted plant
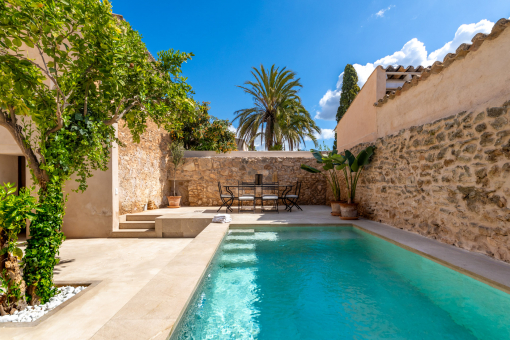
pixel 328 171
pixel 177 159
pixel 352 168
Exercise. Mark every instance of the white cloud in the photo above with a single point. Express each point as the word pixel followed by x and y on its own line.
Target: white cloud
pixel 233 129
pixel 412 53
pixel 325 134
pixel 380 14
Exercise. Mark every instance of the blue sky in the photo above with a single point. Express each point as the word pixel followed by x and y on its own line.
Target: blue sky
pixel 314 38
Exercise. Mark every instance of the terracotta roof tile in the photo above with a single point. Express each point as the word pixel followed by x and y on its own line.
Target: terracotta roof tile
pixel 438 67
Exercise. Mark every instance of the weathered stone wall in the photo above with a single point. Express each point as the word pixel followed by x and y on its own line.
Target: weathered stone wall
pixel 142 169
pixel 203 174
pixel 145 174
pixel 448 180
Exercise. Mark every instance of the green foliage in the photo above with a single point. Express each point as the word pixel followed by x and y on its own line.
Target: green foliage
pixel 205 133
pixel 176 157
pixel 276 147
pixel 350 89
pixel 278 116
pixel 352 168
pixel 43 245
pixel 15 210
pixel 328 170
pixel 84 71
pixel 323 147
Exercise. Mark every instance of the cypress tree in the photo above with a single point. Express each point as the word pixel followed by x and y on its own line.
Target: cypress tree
pixel 350 89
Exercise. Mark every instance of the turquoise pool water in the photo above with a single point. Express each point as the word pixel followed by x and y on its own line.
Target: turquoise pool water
pixel 336 283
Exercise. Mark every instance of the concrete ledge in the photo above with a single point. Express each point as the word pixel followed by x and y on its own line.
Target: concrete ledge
pixel 179 226
pixel 154 310
pixel 248 154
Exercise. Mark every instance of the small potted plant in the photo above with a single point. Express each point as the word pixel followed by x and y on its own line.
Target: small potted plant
pixel 328 171
pixel 352 168
pixel 177 159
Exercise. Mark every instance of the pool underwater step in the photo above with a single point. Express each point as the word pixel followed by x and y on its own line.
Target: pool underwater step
pixel 237 260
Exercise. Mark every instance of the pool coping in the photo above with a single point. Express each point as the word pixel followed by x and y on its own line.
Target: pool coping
pixel 155 311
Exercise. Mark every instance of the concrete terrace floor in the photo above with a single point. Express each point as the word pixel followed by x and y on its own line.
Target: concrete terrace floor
pixel 145 283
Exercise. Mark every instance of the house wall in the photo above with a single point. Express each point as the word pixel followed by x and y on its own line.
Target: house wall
pixel 8 169
pixel 480 80
pixel 94 212
pixel 448 180
pixel 359 123
pixel 89 214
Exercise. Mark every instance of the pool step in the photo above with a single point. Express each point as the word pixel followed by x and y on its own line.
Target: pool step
pixel 237 260
pixel 137 225
pixel 134 233
pixel 142 217
pixel 241 231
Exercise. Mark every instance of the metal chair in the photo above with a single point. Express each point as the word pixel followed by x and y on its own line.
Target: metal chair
pixel 293 198
pixel 246 194
pixel 226 199
pixel 271 194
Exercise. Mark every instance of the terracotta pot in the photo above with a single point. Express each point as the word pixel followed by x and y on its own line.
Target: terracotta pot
pixel 349 211
pixel 335 208
pixel 174 201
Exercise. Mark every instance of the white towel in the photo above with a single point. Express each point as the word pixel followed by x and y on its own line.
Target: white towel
pixel 222 218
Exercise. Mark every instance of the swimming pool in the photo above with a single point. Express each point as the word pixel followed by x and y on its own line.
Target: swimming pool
pixel 336 283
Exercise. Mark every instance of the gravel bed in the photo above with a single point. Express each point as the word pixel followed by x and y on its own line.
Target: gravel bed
pixel 30 313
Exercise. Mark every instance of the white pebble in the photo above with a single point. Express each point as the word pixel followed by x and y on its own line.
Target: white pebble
pixel 30 313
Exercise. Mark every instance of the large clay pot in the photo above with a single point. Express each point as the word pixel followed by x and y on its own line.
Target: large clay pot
pixel 174 201
pixel 335 208
pixel 349 211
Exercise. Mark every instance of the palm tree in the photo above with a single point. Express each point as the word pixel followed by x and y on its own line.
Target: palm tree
pixel 278 116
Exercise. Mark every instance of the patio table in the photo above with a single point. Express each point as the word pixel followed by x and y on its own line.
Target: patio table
pixel 231 188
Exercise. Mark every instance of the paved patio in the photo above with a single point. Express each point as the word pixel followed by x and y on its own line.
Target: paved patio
pixel 146 283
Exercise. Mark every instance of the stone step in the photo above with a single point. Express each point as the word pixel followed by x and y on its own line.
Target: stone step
pixel 142 217
pixel 241 231
pixel 137 225
pixel 134 233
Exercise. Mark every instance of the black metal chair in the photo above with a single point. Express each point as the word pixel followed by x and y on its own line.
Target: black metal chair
pixel 226 199
pixel 293 198
pixel 246 193
pixel 283 195
pixel 270 193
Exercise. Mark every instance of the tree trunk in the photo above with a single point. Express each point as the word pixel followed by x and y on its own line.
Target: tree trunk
pixel 14 298
pixel 16 132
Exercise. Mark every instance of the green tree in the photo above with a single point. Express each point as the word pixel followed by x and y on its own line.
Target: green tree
pixel 69 71
pixel 205 133
pixel 278 116
pixel 350 89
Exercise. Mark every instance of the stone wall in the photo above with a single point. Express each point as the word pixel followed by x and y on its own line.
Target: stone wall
pixel 142 169
pixel 448 180
pixel 145 174
pixel 203 174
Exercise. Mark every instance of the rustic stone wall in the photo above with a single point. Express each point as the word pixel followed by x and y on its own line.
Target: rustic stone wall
pixel 142 168
pixel 145 174
pixel 448 180
pixel 203 174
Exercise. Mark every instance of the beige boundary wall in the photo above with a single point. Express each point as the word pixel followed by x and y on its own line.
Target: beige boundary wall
pixel 359 124
pixel 473 79
pixel 448 180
